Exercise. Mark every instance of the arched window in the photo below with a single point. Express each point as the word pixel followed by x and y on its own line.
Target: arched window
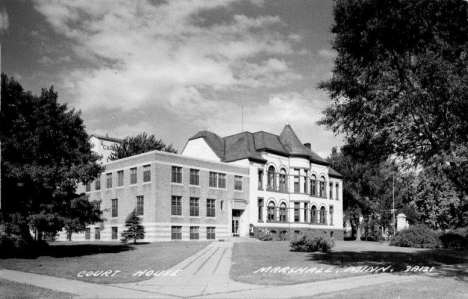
pixel 282 211
pixel 323 219
pixel 271 211
pixel 322 187
pixel 313 214
pixel 282 181
pixel 331 215
pixel 313 185
pixel 271 178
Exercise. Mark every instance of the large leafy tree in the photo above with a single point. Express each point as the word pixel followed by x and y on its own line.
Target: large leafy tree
pixel 138 144
pixel 45 154
pixel 400 80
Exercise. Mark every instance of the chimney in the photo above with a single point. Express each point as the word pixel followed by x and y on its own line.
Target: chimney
pixel 307 145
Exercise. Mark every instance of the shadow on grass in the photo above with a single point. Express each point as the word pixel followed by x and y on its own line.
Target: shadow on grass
pixel 446 263
pixel 83 249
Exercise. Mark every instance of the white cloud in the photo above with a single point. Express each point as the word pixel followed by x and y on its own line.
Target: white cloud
pixel 4 22
pixel 327 53
pixel 160 53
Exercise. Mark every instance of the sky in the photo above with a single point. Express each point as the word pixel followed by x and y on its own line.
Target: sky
pixel 173 68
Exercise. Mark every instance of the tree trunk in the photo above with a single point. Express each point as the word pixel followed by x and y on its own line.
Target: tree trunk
pixel 69 235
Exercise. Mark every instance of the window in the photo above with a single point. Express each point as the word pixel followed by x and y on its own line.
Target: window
pixel 313 185
pixel 194 177
pixel 140 205
pixel 297 211
pixel 194 206
pixel 323 213
pixel 98 184
pixel 322 187
pixel 296 180
pixel 147 173
pixel 97 233
pixel 260 179
pixel 194 232
pixel 176 232
pixel 133 175
pixel 331 215
pixel 271 211
pixel 210 208
pixel 176 174
pixel 176 206
pixel 330 186
pixel 260 209
pixel 213 179
pixel 109 180
pixel 115 207
pixel 306 212
pixel 282 211
pixel 114 233
pixel 87 234
pixel 337 196
pixel 221 180
pixel 271 178
pixel 88 186
pixel 282 181
pixel 313 214
pixel 305 182
pixel 120 178
pixel 210 233
pixel 237 182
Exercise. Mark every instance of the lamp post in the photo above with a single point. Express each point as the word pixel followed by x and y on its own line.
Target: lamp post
pixel 393 203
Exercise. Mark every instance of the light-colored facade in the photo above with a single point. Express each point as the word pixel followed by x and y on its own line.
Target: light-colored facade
pixel 102 145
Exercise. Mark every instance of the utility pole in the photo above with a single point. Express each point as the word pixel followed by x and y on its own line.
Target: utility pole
pixel 393 200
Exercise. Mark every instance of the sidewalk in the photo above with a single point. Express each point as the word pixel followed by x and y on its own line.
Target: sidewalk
pixel 203 275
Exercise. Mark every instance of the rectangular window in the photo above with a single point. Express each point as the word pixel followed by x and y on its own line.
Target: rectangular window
pixel 109 180
pixel 97 233
pixel 194 206
pixel 98 184
pixel 306 212
pixel 210 233
pixel 260 179
pixel 114 233
pixel 176 174
pixel 260 209
pixel 271 212
pixel 115 207
pixel 194 232
pixel 210 208
pixel 176 232
pixel 147 173
pixel 296 211
pixel 305 182
pixel 331 190
pixel 120 178
pixel 296 180
pixel 88 186
pixel 222 180
pixel 133 175
pixel 176 205
pixel 87 233
pixel 331 215
pixel 140 205
pixel 213 179
pixel 194 177
pixel 337 191
pixel 237 182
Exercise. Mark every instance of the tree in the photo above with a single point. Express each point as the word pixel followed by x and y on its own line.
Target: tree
pixel 134 230
pixel 400 80
pixel 45 154
pixel 79 213
pixel 141 143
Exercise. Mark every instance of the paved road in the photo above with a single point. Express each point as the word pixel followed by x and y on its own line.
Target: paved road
pixel 203 275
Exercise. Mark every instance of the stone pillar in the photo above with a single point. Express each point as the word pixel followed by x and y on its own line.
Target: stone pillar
pixel 401 222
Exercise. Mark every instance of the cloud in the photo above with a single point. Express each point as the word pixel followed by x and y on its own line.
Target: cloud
pixel 148 54
pixel 4 22
pixel 327 53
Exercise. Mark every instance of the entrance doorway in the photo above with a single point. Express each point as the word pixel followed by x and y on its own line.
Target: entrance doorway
pixel 236 215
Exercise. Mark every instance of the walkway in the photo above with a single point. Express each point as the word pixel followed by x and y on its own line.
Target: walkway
pixel 203 275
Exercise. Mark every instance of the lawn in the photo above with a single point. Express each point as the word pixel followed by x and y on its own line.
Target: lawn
pixel 74 259
pixel 10 289
pixel 251 262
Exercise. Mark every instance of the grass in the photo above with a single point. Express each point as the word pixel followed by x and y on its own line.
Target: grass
pixel 249 257
pixel 68 259
pixel 10 289
pixel 434 288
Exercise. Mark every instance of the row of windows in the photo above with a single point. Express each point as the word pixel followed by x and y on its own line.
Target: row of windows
pixel 140 203
pixel 176 206
pixel 120 178
pixel 216 180
pixel 176 233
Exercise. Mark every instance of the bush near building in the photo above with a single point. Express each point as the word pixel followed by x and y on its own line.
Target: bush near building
pixel 312 241
pixel 419 236
pixel 456 239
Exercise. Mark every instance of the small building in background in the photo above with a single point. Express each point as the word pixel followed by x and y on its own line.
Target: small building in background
pixel 103 145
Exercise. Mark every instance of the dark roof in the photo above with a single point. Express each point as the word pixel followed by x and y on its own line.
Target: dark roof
pixel 334 173
pixel 248 145
pixel 106 138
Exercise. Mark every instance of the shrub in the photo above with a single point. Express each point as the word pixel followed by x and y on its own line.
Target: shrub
pixel 419 236
pixel 312 241
pixel 457 239
pixel 264 235
pixel 284 236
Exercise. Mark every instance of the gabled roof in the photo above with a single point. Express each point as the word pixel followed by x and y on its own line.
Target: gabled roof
pixel 334 173
pixel 248 145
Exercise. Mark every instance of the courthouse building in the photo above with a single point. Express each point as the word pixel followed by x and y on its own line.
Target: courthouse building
pixel 218 188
